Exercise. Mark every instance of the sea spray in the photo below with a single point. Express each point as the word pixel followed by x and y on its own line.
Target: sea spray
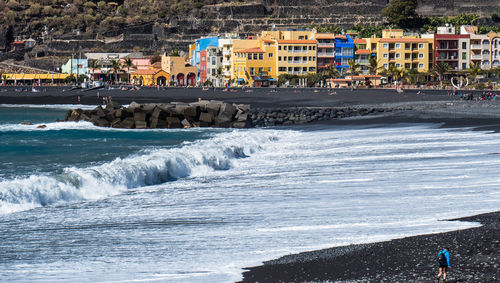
pixel 153 167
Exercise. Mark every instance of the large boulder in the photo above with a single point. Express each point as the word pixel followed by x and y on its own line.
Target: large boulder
pixel 113 105
pixel 226 112
pixel 127 123
pixel 141 125
pixel 139 116
pixel 173 122
pixel 206 117
pixel 133 106
pixel 191 111
pixel 213 107
pixel 73 115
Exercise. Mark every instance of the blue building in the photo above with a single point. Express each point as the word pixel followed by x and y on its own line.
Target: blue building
pixel 200 45
pixel 76 67
pixel 344 51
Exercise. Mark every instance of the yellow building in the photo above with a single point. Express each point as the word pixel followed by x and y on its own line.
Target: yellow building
pixel 289 34
pixel 402 51
pixel 494 49
pixel 297 57
pixel 255 66
pixel 181 72
pixel 150 77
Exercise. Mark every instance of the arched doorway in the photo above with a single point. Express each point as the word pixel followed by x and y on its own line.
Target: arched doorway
pixel 161 80
pixel 180 79
pixel 191 79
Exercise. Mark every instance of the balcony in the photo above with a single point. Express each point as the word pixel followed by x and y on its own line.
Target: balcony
pixel 475 46
pixel 226 52
pixel 363 61
pixel 326 54
pixel 326 45
pixel 476 57
pixel 226 74
pixel 226 63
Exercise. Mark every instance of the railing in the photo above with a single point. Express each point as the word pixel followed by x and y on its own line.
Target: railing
pixel 226 63
pixel 475 46
pixel 476 57
pixel 363 61
pixel 326 54
pixel 331 45
pixel 226 52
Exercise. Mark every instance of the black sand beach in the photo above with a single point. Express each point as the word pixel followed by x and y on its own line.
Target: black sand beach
pixel 475 252
pixel 475 257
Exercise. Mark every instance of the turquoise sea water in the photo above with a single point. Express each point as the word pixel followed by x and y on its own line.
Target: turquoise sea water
pixel 80 203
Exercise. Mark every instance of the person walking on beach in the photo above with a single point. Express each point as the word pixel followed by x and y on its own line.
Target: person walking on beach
pixel 443 259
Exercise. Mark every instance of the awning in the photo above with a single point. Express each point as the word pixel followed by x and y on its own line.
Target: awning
pixel 272 80
pixel 241 80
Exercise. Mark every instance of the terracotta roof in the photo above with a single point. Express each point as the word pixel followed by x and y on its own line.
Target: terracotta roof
pixel 363 51
pixel 251 50
pixel 366 76
pixel 341 36
pixel 145 72
pixel 325 36
pixel 267 40
pixel 297 41
pixel 358 40
pixel 157 65
pixel 18 42
pixel 393 40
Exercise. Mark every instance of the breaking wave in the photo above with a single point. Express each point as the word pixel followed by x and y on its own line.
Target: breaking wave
pixel 153 167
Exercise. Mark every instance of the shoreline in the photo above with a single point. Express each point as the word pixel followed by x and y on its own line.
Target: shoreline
pixel 475 257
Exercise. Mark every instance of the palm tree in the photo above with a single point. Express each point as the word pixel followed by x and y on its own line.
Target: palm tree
pixel 127 63
pixel 219 74
pixel 474 70
pixel 373 68
pixel 93 65
pixel 331 72
pixel 440 69
pixel 353 67
pixel 116 67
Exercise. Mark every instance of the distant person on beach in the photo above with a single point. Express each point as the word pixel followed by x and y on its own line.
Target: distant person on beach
pixel 443 263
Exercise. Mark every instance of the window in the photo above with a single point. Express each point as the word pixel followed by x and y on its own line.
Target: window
pixel 420 55
pixel 398 55
pixel 420 66
pixel 314 58
pixel 386 55
pixel 398 45
pixel 420 46
pixel 386 66
pixel 284 58
pixel 213 61
pixel 464 66
pixel 314 47
pixel 261 56
pixel 269 69
pixel 282 69
pixel 279 58
pixel 304 69
pixel 271 55
pixel 284 47
pixel 255 56
pixel 279 47
pixel 310 48
pixel 261 70
pixel 464 45
pixel 312 69
pixel 304 59
pixel 398 65
pixel 249 56
pixel 464 56
pixel 252 71
pixel 385 45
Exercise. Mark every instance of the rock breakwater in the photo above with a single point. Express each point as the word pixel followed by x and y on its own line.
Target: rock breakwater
pixel 210 114
pixel 172 115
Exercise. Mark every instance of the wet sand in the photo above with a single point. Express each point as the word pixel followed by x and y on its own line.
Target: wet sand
pixel 475 257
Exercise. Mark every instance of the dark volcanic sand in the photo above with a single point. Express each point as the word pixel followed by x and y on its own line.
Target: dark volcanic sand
pixel 475 257
pixel 259 97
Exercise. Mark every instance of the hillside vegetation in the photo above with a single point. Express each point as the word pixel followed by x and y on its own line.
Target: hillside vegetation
pixel 58 16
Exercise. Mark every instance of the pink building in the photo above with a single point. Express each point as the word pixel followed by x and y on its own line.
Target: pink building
pixel 203 66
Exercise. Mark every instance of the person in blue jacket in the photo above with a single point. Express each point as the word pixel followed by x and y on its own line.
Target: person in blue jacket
pixel 443 259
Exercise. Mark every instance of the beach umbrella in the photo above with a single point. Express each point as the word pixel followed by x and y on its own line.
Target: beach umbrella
pixel 15 80
pixel 52 78
pixel 39 81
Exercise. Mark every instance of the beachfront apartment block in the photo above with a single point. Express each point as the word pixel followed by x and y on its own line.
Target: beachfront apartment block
pixel 296 57
pixel 255 66
pixel 344 51
pixel 326 51
pixel 211 66
pixel 362 55
pixel 76 67
pixel 401 50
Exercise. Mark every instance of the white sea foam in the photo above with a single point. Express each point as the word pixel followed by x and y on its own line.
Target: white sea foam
pixel 155 167
pixel 50 106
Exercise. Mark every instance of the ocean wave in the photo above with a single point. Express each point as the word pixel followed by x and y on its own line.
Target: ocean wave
pixel 148 168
